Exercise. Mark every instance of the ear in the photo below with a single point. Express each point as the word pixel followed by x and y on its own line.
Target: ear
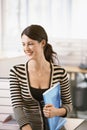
pixel 43 43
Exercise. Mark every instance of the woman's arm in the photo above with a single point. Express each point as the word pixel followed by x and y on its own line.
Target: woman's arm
pixel 49 110
pixel 16 98
pixel 66 92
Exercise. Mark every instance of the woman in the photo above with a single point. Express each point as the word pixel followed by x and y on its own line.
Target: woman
pixel 28 82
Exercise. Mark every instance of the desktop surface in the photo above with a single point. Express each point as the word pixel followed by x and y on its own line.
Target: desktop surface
pixel 82 126
pixel 72 124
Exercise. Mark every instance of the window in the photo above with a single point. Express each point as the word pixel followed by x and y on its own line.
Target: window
pixel 62 19
pixel 15 16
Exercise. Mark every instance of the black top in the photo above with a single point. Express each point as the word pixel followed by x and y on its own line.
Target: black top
pixel 37 93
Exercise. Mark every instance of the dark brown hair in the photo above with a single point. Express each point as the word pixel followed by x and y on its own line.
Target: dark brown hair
pixel 37 32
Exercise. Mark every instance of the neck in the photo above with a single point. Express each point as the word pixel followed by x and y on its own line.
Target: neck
pixel 38 65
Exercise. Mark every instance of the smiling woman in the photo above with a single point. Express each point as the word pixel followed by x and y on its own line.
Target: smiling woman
pixel 28 81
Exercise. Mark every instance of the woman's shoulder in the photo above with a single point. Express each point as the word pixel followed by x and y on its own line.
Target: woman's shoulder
pixel 20 66
pixel 58 67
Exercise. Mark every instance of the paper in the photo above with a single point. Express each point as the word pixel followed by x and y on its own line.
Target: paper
pixel 72 123
pixel 53 96
pixel 5 117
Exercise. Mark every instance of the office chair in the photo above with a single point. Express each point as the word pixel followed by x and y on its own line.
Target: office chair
pixel 80 96
pixel 80 99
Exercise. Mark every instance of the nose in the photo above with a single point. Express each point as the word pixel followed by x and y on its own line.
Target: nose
pixel 26 47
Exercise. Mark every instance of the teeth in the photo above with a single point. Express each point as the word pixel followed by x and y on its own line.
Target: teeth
pixel 29 53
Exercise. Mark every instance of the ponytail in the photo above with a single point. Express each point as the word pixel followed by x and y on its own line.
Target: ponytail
pixel 50 55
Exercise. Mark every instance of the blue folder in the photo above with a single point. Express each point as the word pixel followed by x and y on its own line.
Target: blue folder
pixel 53 96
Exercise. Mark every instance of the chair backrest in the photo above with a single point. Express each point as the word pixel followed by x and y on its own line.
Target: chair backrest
pixel 80 98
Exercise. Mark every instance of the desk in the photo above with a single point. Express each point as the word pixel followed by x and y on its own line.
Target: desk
pixel 76 124
pixel 71 124
pixel 10 125
pixel 77 88
pixel 82 126
pixel 73 71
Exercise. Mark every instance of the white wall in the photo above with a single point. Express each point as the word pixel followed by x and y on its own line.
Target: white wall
pixel 7 63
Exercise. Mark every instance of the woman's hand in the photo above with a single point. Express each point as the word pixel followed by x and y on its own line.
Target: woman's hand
pixel 26 127
pixel 49 110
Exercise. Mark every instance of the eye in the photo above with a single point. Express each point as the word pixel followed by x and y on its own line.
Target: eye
pixel 23 44
pixel 27 44
pixel 30 43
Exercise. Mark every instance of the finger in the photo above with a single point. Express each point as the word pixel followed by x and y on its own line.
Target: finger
pixel 47 110
pixel 48 105
pixel 47 114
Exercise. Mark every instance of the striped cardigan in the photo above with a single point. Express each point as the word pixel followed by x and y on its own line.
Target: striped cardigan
pixel 27 110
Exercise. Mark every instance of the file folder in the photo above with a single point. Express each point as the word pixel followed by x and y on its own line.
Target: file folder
pixel 53 96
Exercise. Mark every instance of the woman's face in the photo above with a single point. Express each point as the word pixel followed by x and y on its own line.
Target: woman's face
pixel 32 48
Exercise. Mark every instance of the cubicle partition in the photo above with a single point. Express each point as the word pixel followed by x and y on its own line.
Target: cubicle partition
pixel 5 101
